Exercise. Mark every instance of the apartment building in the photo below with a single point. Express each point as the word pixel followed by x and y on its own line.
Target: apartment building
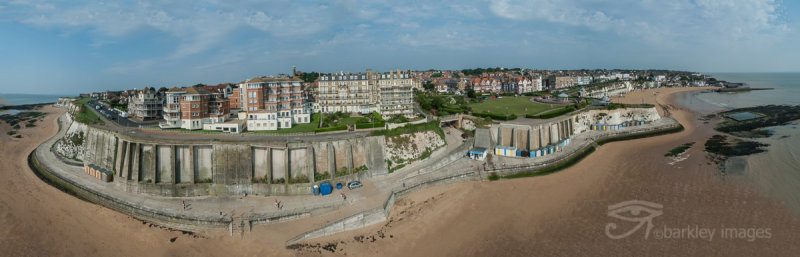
pixel 147 104
pixel 558 82
pixel 346 92
pixel 272 103
pixel 195 108
pixel 396 96
pixel 388 93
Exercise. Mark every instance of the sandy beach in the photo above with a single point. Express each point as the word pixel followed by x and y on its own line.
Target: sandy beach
pixel 562 214
pixel 565 214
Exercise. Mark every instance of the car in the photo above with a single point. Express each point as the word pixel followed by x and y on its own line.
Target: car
pixel 354 184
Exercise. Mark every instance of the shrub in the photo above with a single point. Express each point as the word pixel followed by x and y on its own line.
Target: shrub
pixel 495 116
pixel 396 168
pixel 398 119
pixel 302 178
pixel 493 176
pixel 334 128
pixel 359 169
pixel 344 171
pixel 552 114
pixel 412 128
pixel 425 154
pixel 323 176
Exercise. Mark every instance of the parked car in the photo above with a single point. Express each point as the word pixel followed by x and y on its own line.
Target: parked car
pixel 354 184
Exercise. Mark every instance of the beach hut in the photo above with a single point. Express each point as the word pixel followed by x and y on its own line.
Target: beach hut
pixel 477 153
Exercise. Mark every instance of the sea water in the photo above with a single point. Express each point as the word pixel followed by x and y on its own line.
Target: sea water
pixel 777 171
pixel 20 99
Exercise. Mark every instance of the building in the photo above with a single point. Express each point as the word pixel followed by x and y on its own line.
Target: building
pixel 195 108
pixel 272 103
pixel 388 93
pixel 536 84
pixel 346 92
pixel 584 80
pixel 559 81
pixel 147 104
pixel 486 85
pixel 396 96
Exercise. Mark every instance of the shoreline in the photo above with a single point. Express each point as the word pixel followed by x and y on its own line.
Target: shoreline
pixel 560 214
pixel 564 213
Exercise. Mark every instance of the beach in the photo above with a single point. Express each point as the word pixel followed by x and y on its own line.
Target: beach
pixel 565 213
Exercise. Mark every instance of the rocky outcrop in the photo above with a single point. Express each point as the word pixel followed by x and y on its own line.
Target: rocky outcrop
pixel 71 146
pixel 409 147
pixel 584 120
pixel 468 124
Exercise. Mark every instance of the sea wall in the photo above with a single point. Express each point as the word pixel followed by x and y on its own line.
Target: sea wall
pixel 584 120
pixel 526 137
pixel 186 166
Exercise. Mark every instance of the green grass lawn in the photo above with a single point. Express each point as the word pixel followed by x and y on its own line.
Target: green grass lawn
pixel 511 105
pixel 86 115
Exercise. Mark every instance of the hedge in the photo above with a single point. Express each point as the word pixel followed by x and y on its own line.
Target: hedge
pixel 552 114
pixel 334 128
pixel 495 116
pixel 367 125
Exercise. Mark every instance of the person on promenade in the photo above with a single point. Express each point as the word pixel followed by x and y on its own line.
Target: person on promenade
pixel 183 202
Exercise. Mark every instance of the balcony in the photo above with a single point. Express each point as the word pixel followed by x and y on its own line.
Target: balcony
pixel 169 124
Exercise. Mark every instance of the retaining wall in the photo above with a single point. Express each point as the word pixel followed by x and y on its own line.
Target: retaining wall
pixel 184 167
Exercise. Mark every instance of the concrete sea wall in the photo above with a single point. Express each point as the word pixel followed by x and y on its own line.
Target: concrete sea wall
pixel 185 166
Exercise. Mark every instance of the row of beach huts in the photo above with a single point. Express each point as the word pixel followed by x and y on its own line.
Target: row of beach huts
pixel 544 151
pixel 98 172
pixel 604 127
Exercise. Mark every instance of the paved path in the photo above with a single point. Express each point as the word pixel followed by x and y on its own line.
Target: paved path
pixel 209 206
pixel 372 195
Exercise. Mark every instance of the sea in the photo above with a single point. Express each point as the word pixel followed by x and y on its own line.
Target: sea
pixel 20 99
pixel 777 171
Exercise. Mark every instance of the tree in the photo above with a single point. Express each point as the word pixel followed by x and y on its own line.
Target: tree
pixel 429 86
pixel 162 89
pixel 471 93
pixel 437 102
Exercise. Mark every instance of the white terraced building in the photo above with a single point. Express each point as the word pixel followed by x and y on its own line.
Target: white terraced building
pixel 272 103
pixel 388 93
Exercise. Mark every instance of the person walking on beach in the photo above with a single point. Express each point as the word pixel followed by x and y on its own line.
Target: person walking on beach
pixel 183 202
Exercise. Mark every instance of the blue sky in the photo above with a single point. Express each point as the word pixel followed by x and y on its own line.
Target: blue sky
pixel 66 47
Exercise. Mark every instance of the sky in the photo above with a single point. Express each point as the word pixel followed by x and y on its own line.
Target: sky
pixel 67 47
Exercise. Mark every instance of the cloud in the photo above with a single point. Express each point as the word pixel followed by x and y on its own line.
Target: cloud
pixel 198 35
pixel 563 12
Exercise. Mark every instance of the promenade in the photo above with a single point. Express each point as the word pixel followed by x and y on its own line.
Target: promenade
pixel 446 165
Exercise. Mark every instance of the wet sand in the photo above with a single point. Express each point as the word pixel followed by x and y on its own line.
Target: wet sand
pixel 560 214
pixel 565 214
